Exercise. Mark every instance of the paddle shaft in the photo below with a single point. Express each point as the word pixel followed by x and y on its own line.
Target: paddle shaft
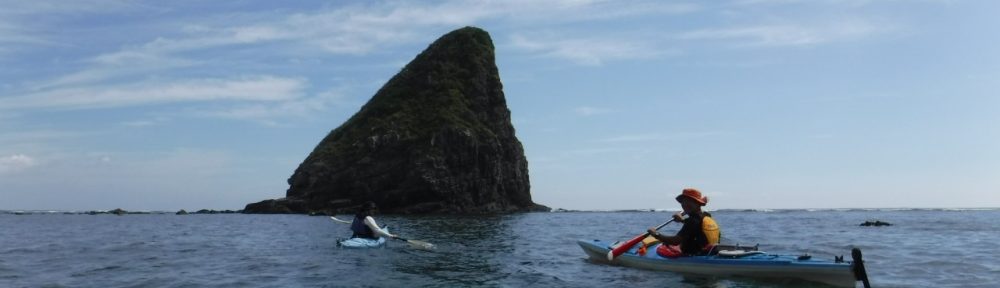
pixel 628 244
pixel 341 221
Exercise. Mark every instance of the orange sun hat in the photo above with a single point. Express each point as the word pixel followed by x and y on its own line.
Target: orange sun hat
pixel 694 194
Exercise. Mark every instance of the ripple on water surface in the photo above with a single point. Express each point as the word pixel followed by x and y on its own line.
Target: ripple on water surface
pixel 940 248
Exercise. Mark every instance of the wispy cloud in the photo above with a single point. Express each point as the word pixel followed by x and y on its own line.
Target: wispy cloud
pixel 146 122
pixel 588 51
pixel 660 136
pixel 15 162
pixel 357 29
pixel 352 29
pixel 587 111
pixel 850 3
pixel 108 70
pixel 155 70
pixel 25 137
pixel 253 88
pixel 595 151
pixel 13 35
pixel 349 29
pixel 30 8
pixel 21 26
pixel 791 34
pixel 267 113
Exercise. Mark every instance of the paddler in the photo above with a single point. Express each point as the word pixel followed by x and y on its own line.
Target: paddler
pixel 700 233
pixel 364 225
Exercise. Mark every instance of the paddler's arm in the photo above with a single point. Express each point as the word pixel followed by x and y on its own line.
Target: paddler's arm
pixel 670 240
pixel 377 230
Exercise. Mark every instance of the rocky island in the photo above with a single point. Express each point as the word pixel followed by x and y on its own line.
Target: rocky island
pixel 436 138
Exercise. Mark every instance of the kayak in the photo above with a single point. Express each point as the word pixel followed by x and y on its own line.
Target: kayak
pixel 735 261
pixel 363 242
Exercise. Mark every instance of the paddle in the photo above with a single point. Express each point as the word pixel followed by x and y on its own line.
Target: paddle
pixel 417 243
pixel 414 243
pixel 628 244
pixel 341 221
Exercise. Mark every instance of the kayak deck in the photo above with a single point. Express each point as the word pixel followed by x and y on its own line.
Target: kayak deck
pixel 362 242
pixel 761 265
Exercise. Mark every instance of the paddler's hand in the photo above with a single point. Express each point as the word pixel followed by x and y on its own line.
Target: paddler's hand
pixel 653 232
pixel 679 216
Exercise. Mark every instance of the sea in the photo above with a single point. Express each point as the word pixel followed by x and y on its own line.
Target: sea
pixel 922 248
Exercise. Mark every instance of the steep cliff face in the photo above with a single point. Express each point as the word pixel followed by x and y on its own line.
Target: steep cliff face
pixel 437 138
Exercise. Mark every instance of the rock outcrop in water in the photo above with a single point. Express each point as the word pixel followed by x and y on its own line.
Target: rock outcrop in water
pixel 437 138
pixel 876 223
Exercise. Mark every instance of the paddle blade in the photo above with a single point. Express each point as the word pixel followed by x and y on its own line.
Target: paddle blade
pixel 416 243
pixel 628 245
pixel 421 244
pixel 338 220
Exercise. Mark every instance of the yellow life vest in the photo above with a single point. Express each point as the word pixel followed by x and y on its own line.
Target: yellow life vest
pixel 711 230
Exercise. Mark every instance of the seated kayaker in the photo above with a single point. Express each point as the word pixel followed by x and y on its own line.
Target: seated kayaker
pixel 700 232
pixel 364 225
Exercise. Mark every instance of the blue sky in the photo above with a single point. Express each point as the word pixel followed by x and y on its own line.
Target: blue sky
pixel 166 105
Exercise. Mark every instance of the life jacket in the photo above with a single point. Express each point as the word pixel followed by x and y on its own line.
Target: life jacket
pixel 711 229
pixel 712 234
pixel 360 229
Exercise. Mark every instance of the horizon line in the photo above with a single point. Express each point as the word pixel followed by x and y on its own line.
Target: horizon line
pixel 47 211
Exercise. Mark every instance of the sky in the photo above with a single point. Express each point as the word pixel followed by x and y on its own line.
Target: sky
pixel 760 104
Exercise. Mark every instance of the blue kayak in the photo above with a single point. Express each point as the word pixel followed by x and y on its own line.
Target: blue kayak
pixel 739 261
pixel 363 242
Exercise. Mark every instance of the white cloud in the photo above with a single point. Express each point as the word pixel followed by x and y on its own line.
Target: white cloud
pixel 661 137
pixel 588 51
pixel 139 123
pixel 16 162
pixel 760 35
pixel 358 29
pixel 146 122
pixel 29 8
pixel 253 88
pixel 267 113
pixel 30 137
pixel 349 29
pixel 144 180
pixel 791 34
pixel 110 68
pixel 591 111
pixel 767 2
pixel 21 29
pixel 13 35
pixel 848 3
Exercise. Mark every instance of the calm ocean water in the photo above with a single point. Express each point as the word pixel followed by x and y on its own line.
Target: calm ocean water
pixel 924 248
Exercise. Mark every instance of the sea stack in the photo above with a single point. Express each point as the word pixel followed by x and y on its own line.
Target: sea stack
pixel 436 138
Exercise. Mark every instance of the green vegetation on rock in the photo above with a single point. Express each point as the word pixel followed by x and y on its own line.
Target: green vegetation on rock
pixel 436 138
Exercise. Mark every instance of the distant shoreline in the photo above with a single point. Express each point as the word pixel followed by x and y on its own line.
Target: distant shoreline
pixel 118 211
pixel 557 210
pixel 790 210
